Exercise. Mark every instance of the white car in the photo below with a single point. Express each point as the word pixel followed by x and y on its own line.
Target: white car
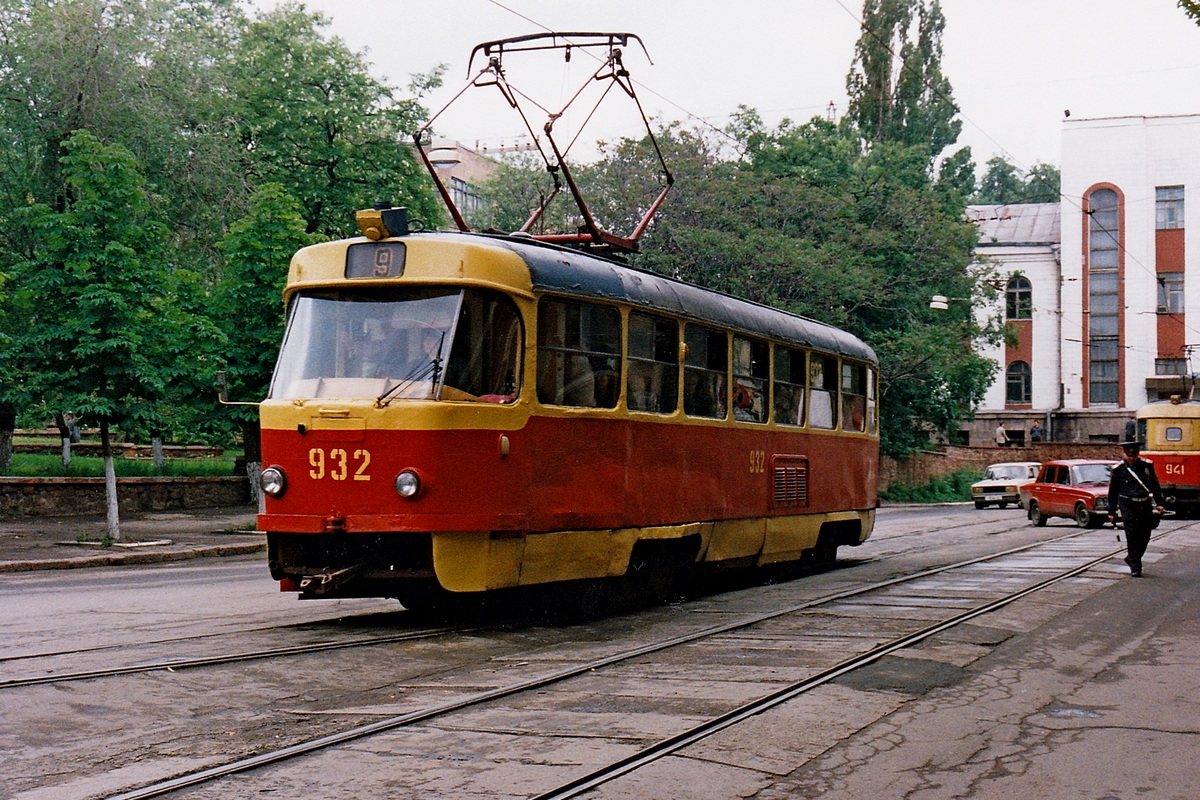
pixel 1002 483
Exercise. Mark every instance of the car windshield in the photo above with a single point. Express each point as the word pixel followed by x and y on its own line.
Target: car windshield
pixel 1091 474
pixel 395 343
pixel 1005 473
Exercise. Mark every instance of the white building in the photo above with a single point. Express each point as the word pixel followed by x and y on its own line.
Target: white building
pixel 1104 295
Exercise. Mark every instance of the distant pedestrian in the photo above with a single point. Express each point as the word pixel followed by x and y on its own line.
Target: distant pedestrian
pixel 1131 429
pixel 1036 433
pixel 1134 490
pixel 1002 439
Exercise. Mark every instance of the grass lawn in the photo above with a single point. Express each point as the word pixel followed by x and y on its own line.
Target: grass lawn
pixel 37 465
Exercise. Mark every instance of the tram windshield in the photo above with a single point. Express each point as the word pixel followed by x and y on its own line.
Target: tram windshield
pixel 402 343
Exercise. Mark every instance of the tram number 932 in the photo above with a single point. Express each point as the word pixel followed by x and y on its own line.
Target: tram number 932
pixel 338 464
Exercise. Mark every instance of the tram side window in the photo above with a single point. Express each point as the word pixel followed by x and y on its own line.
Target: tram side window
pixel 751 369
pixel 704 372
pixel 823 386
pixel 790 370
pixel 872 407
pixel 653 376
pixel 579 354
pixel 854 397
pixel 486 355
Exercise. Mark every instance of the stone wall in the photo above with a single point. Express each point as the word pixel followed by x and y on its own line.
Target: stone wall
pixel 920 468
pixel 60 496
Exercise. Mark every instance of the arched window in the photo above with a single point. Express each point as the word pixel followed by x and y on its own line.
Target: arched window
pixel 1019 298
pixel 1019 385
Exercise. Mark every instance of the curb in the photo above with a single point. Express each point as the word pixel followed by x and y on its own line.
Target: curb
pixel 129 559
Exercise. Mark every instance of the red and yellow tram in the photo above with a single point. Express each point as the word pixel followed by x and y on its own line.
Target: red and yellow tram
pixel 1169 431
pixel 465 413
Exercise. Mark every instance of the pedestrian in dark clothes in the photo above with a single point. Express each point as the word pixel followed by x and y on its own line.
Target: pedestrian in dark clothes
pixel 1134 490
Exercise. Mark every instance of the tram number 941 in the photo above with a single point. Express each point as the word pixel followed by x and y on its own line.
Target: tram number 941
pixel 338 464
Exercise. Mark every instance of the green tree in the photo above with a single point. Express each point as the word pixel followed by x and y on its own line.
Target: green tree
pixel 862 240
pixel 313 120
pixel 1043 184
pixel 209 104
pixel 94 295
pixel 1001 184
pixel 258 250
pixel 1191 8
pixel 517 188
pixel 897 90
pixel 147 74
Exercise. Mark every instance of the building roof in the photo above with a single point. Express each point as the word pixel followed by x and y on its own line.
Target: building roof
pixel 1018 224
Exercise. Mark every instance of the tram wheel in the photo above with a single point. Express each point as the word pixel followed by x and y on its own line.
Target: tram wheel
pixel 656 569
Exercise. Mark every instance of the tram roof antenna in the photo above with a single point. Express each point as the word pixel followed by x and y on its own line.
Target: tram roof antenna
pixel 612 69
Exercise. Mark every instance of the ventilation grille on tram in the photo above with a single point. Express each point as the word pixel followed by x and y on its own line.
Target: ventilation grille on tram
pixel 791 481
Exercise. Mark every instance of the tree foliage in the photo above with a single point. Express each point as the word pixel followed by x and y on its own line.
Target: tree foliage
pixel 1191 8
pixel 314 121
pixel 861 240
pixel 92 295
pixel 149 251
pixel 258 248
pixel 1003 184
pixel 897 90
pixel 856 224
pixel 205 106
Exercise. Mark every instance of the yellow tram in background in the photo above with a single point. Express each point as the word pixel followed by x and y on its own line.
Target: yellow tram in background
pixel 1170 435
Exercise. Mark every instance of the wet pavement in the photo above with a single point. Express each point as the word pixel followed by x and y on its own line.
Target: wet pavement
pixel 66 542
pixel 1093 699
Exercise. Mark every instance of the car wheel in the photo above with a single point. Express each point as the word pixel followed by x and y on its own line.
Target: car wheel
pixel 1083 517
pixel 1003 504
pixel 1036 515
pixel 980 504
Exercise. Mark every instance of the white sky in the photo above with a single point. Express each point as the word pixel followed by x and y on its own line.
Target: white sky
pixel 1014 65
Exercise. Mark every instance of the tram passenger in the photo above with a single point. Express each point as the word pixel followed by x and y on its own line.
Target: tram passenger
pixel 1134 489
pixel 699 396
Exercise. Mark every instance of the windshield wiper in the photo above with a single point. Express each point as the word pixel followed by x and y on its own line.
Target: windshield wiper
pixel 431 370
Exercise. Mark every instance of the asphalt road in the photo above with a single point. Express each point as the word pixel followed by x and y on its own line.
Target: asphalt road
pixel 1089 693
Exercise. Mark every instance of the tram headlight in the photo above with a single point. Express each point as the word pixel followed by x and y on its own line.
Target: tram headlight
pixel 273 481
pixel 408 483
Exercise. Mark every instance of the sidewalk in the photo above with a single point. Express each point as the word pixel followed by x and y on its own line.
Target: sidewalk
pixel 35 543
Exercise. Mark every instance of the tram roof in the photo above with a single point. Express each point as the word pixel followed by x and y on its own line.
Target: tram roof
pixel 556 269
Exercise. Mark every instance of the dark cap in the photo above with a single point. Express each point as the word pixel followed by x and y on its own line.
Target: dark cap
pixel 1131 445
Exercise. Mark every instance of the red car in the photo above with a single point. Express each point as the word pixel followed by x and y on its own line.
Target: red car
pixel 1074 488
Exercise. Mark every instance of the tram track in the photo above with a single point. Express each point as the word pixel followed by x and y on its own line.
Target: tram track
pixel 184 663
pixel 694 733
pixel 177 664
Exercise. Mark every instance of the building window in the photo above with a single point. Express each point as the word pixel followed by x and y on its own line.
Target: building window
pixel 1170 292
pixel 1168 210
pixel 1104 347
pixel 1170 366
pixel 1019 391
pixel 1019 298
pixel 464 195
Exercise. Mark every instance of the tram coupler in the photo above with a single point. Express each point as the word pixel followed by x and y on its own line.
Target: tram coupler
pixel 325 583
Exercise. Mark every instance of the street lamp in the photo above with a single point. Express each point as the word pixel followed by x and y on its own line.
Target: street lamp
pixel 444 154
